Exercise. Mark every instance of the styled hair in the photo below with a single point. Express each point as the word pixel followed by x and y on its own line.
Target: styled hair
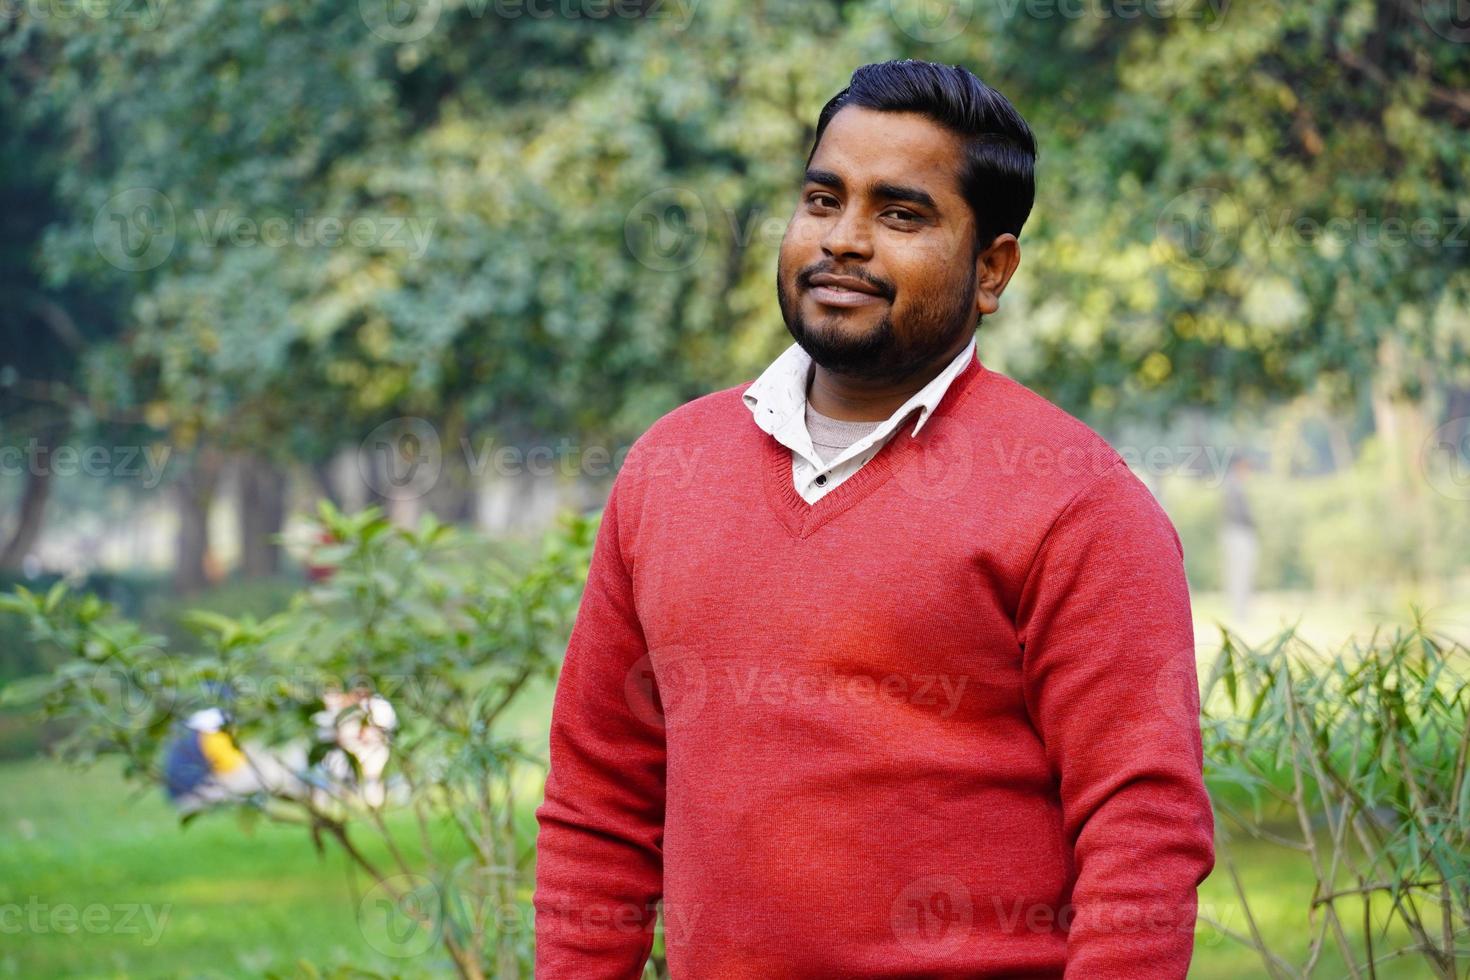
pixel 997 176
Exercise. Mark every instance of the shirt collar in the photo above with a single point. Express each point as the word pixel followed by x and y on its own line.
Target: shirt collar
pixel 779 394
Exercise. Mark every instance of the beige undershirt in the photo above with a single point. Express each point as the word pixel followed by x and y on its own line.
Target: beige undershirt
pixel 831 436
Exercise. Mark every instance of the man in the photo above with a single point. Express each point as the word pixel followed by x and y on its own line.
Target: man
pixel 1238 542
pixel 898 680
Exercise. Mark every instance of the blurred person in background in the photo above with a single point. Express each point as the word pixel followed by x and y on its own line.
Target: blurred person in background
pixel 1239 540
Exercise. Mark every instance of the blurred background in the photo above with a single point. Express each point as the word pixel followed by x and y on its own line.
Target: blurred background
pixel 443 260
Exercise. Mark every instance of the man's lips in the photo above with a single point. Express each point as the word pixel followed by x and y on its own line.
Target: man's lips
pixel 844 291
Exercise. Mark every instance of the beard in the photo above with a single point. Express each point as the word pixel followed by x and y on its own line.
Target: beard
pixel 888 353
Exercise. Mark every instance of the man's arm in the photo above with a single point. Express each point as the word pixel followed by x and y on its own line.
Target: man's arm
pixel 1110 681
pixel 599 859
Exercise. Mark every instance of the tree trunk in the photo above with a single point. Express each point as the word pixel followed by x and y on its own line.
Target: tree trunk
pixel 30 516
pixel 1402 425
pixel 372 475
pixel 1339 443
pixel 262 514
pixel 194 492
pixel 454 496
pixel 321 471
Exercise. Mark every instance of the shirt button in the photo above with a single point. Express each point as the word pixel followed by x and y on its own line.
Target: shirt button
pixel 821 481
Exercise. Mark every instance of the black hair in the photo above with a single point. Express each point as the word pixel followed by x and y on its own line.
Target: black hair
pixel 997 177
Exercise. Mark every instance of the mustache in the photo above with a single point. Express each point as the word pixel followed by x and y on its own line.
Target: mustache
pixel 804 277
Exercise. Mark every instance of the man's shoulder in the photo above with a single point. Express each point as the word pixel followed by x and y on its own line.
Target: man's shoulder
pixel 1023 433
pixel 685 431
pixel 707 414
pixel 1052 463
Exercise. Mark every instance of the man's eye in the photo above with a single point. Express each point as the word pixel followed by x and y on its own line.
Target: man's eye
pixel 902 214
pixel 823 200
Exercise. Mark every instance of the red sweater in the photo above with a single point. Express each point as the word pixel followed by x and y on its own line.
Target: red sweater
pixel 943 723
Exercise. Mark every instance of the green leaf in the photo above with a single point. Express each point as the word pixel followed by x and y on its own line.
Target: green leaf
pixel 1228 657
pixel 27 692
pixel 203 620
pixel 53 598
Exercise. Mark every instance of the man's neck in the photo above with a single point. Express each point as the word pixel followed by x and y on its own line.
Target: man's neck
pixel 854 400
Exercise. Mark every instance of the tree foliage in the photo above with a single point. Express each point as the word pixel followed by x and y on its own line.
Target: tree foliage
pixel 569 212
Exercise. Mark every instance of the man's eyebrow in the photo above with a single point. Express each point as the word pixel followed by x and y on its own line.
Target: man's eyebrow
pixel 898 192
pixel 883 189
pixel 826 178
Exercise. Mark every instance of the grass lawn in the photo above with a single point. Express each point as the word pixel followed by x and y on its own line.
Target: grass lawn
pixel 121 891
pixel 1329 620
pixel 208 900
pixel 211 901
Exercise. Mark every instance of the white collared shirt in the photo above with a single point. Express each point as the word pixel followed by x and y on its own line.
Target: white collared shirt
pixel 777 400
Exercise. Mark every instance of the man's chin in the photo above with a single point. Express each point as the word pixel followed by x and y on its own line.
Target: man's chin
pixel 845 344
pixel 846 332
pixel 841 336
pixel 855 322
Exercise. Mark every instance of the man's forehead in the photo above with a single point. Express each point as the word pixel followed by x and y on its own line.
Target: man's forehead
pixel 871 146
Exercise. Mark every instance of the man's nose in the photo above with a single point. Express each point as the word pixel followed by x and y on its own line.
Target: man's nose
pixel 848 237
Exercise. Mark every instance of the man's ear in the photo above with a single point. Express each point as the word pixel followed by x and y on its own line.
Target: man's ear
pixel 993 269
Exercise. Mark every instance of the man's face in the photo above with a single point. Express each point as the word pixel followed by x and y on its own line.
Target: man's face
pixel 877 274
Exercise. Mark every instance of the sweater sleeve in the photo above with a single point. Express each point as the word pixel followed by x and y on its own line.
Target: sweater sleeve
pixel 1109 678
pixel 599 860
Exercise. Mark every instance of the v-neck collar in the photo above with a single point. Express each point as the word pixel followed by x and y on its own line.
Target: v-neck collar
pixel 802 518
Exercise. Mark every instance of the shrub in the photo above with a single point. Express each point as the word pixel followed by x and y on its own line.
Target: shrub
pixel 414 616
pixel 1371 744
